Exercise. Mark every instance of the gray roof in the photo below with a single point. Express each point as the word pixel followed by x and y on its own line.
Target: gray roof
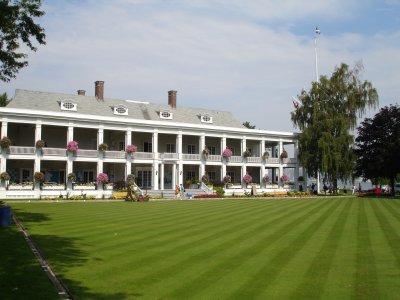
pixel 47 101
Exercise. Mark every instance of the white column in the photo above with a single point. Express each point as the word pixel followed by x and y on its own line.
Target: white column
pixel 223 170
pixel 202 143
pixel 244 145
pixel 179 145
pixel 296 168
pixel 155 144
pixel 173 176
pixel 223 143
pixel 70 133
pixel 203 162
pixel 280 175
pixel 38 132
pixel 180 173
pixel 128 168
pixel 202 171
pixel 100 136
pixel 280 148
pixel 262 169
pixel 162 177
pixel 70 137
pixel 4 128
pixel 244 172
pixel 128 137
pixel 155 176
pixel 262 147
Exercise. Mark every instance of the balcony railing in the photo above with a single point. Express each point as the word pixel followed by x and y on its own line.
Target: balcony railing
pixel 143 155
pixel 87 153
pixel 191 156
pixel 114 154
pixel 235 159
pixel 214 158
pixel 253 159
pixel 169 156
pixel 54 151
pixel 22 150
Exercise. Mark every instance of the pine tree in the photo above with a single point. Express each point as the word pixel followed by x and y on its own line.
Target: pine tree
pixel 326 115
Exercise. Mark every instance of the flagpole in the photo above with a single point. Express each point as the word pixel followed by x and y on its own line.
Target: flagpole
pixel 317 33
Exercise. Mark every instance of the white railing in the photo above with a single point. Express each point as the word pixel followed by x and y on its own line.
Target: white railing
pixel 54 151
pixel 114 154
pixel 206 189
pixel 143 155
pixel 191 156
pixel 273 160
pixel 252 159
pixel 87 153
pixel 22 150
pixel 235 159
pixel 214 158
pixel 172 156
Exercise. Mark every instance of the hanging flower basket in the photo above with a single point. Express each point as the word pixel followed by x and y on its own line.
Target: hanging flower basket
pixel 39 144
pixel 5 143
pixel 265 155
pixel 102 178
pixel 227 179
pixel 205 179
pixel 266 179
pixel 247 178
pixel 246 153
pixel 71 177
pixel 103 147
pixel 131 149
pixel 72 146
pixel 227 153
pixel 38 177
pixel 284 178
pixel 4 176
pixel 206 152
pixel 284 154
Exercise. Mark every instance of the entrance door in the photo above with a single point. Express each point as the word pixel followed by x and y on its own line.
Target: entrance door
pixel 26 175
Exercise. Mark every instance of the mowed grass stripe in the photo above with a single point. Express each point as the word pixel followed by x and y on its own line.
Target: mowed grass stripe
pixel 241 249
pixel 387 241
pixel 316 276
pixel 147 262
pixel 366 281
pixel 258 284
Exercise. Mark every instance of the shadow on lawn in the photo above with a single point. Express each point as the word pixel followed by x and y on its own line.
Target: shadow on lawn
pixel 60 252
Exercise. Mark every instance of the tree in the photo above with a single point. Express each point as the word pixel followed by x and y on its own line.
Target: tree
pixel 17 25
pixel 377 144
pixel 325 115
pixel 248 125
pixel 4 99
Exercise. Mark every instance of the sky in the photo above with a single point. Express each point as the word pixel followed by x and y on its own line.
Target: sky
pixel 247 57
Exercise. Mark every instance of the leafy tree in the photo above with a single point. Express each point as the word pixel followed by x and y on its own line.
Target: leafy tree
pixel 326 114
pixel 248 125
pixel 377 144
pixel 17 25
pixel 4 99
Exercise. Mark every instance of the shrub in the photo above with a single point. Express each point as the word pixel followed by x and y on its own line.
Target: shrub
pixel 220 191
pixel 207 196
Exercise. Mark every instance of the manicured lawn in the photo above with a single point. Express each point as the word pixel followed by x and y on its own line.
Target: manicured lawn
pixel 332 248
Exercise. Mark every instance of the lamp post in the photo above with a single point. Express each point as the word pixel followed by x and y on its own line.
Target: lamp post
pixel 317 33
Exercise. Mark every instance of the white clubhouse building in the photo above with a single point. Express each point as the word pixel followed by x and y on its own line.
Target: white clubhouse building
pixel 170 140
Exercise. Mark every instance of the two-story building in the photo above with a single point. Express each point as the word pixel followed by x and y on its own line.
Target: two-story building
pixel 174 144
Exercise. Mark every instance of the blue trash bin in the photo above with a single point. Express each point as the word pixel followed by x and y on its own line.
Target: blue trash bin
pixel 5 216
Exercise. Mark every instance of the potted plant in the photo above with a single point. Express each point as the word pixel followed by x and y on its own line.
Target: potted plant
pixel 4 176
pixel 206 152
pixel 247 179
pixel 265 155
pixel 265 179
pixel 5 143
pixel 284 154
pixel 227 153
pixel 72 146
pixel 246 153
pixel 39 144
pixel 103 147
pixel 71 177
pixel 131 149
pixel 102 179
pixel 284 179
pixel 38 178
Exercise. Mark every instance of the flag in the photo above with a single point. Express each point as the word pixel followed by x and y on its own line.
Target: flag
pixel 317 31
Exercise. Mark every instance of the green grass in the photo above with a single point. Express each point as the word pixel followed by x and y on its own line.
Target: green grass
pixel 336 248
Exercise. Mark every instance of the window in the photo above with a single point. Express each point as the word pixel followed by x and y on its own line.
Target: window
pixel 206 119
pixel 68 105
pixel 191 149
pixel 211 175
pixel 147 147
pixel 144 179
pixel 211 150
pixel 171 148
pixel 88 176
pixel 165 114
pixel 121 110
pixel 232 174
pixel 190 175
pixel 121 146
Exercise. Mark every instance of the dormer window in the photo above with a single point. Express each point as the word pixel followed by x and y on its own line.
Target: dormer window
pixel 120 110
pixel 68 105
pixel 165 115
pixel 206 119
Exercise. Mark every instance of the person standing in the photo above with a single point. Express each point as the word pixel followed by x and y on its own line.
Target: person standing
pixel 182 191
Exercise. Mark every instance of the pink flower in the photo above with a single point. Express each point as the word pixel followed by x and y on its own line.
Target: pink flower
pixel 227 153
pixel 102 178
pixel 131 149
pixel 247 178
pixel 72 146
pixel 266 178
pixel 284 178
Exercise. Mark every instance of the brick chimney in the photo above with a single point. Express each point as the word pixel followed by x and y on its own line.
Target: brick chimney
pixel 172 98
pixel 99 90
pixel 81 92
